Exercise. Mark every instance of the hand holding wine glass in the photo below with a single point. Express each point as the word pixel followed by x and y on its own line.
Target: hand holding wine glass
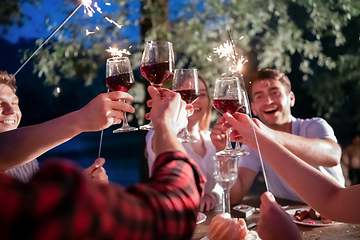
pixel 157 64
pixel 225 173
pixel 119 77
pixel 227 98
pixel 186 83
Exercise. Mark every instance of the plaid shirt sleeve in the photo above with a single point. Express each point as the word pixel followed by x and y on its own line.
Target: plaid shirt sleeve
pixel 58 203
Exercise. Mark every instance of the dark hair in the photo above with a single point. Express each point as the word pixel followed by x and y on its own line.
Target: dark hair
pixel 4 78
pixel 267 73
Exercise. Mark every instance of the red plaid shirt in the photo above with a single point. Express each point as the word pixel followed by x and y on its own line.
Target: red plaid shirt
pixel 58 203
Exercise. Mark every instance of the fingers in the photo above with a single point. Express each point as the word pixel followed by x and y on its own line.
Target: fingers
pixel 118 95
pixel 99 162
pixel 267 197
pixel 101 179
pixel 122 106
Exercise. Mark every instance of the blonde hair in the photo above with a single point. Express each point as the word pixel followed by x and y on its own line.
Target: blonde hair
pixel 204 123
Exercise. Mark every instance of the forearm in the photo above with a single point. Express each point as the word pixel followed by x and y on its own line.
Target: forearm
pixel 316 152
pixel 316 189
pixel 165 140
pixel 24 144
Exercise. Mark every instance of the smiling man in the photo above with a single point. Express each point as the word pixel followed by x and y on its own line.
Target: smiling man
pixel 312 140
pixel 10 116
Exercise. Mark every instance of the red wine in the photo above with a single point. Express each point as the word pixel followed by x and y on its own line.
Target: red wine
pixel 120 82
pixel 188 95
pixel 227 105
pixel 157 73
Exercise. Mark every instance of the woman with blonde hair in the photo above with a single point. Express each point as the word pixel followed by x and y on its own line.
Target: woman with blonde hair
pixel 202 151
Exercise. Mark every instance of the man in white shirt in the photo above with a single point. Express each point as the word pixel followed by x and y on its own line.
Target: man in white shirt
pixel 312 140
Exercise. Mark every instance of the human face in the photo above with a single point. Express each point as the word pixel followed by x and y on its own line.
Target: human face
pixel 10 113
pixel 200 105
pixel 271 102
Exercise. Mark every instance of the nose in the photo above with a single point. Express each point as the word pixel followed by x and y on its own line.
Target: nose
pixel 268 99
pixel 7 108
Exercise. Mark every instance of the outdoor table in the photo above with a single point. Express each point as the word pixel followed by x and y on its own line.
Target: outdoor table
pixel 332 232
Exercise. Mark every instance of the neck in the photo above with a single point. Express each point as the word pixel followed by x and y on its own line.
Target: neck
pixel 194 130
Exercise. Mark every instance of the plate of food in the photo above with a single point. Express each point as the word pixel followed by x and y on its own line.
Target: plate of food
pixel 200 218
pixel 309 217
pixel 223 227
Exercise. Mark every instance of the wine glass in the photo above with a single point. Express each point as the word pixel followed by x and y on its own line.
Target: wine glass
pixel 157 65
pixel 119 77
pixel 225 173
pixel 246 110
pixel 186 83
pixel 227 98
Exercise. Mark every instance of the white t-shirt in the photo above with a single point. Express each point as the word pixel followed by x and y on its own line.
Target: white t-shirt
pixel 205 163
pixel 309 128
pixel 24 172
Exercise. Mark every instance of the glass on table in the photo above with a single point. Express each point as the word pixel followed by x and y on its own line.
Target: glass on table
pixel 157 64
pixel 225 173
pixel 119 77
pixel 186 82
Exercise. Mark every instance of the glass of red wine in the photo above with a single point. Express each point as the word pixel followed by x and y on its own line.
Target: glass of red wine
pixel 157 65
pixel 227 98
pixel 186 82
pixel 245 109
pixel 119 77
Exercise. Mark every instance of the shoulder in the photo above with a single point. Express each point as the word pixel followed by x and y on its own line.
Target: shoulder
pixel 315 127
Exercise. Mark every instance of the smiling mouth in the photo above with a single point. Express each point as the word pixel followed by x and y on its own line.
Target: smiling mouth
pixel 270 110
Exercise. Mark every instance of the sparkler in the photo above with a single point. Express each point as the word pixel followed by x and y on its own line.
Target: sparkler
pixel 87 9
pixel 238 67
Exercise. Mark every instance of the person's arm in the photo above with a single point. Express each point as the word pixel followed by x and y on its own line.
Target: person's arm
pixel 27 143
pixel 242 185
pixel 315 151
pixel 60 198
pixel 274 223
pixel 316 189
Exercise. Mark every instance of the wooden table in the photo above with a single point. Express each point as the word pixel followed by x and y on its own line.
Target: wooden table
pixel 334 232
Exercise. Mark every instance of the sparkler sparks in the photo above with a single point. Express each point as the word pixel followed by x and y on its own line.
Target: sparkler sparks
pixel 227 50
pixel 114 51
pixel 113 22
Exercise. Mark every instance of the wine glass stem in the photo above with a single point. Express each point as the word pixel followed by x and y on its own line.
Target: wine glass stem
pixel 125 121
pixel 228 141
pixel 237 147
pixel 226 201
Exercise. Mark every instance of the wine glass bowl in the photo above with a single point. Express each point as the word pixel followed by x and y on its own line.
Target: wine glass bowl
pixel 157 62
pixel 120 77
pixel 157 65
pixel 186 83
pixel 225 173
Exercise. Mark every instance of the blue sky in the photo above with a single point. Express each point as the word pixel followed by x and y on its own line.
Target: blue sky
pixel 35 26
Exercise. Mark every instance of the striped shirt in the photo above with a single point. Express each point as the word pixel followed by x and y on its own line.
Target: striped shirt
pixel 24 172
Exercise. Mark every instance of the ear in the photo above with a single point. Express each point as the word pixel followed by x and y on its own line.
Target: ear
pixel 292 99
pixel 253 108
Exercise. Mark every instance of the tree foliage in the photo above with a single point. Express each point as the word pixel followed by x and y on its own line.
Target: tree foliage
pixel 316 42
